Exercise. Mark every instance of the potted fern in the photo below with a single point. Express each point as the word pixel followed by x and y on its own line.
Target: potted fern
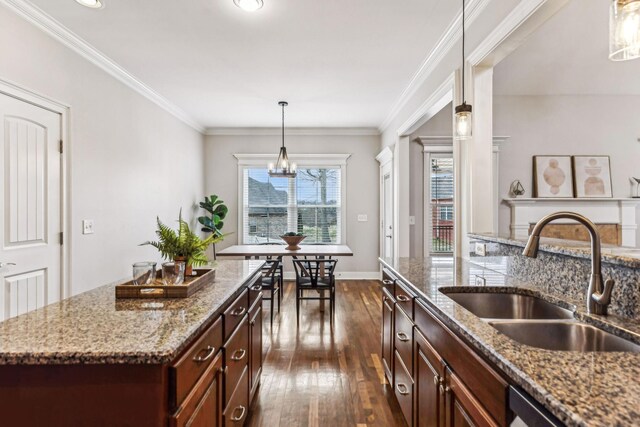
pixel 182 244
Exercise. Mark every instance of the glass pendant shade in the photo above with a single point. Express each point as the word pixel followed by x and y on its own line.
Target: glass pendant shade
pixel 249 5
pixel 463 121
pixel 624 30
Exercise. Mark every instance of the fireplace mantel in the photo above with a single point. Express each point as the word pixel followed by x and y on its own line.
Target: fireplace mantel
pixel 527 211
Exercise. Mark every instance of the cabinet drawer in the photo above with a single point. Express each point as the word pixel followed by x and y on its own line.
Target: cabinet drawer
pixel 388 282
pixel 403 388
pixel 203 404
pixel 236 352
pixel 403 339
pixel 255 290
pixel 236 411
pixel 235 313
pixel 480 379
pixel 184 372
pixel 404 299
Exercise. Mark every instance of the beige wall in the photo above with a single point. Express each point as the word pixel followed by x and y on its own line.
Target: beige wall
pixel 566 124
pixel 129 160
pixel 362 194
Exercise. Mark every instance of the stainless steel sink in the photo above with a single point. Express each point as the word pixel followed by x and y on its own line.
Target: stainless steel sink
pixel 563 336
pixel 491 305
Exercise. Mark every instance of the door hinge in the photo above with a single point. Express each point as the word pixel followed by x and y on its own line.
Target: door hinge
pixel 61 145
pixel 61 238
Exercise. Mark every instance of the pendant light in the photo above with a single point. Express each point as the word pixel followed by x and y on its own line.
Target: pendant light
pixel 463 111
pixel 624 30
pixel 283 167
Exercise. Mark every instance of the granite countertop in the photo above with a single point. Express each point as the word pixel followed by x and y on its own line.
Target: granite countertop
pixel 618 255
pixel 580 389
pixel 93 327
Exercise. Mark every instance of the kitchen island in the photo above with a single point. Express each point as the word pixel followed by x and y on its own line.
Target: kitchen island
pixel 92 360
pixel 474 367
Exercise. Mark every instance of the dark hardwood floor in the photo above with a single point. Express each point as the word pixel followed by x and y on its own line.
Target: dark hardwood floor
pixel 316 376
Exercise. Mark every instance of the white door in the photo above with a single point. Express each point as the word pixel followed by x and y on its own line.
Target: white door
pixel 30 170
pixel 387 215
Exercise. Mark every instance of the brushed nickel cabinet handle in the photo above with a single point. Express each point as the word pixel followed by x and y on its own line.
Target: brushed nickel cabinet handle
pixel 436 380
pixel 238 354
pixel 241 416
pixel 388 282
pixel 402 389
pixel 210 352
pixel 402 336
pixel 256 288
pixel 403 298
pixel 238 311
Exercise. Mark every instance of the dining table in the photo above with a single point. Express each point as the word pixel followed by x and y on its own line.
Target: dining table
pixel 280 250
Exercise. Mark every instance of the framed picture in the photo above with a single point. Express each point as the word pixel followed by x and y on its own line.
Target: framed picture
pixel 552 176
pixel 592 176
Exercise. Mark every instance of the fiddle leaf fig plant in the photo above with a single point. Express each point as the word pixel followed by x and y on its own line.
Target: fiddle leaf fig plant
pixel 182 243
pixel 214 221
pixel 217 210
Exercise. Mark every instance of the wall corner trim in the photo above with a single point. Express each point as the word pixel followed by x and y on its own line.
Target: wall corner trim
pixel 435 56
pixel 59 32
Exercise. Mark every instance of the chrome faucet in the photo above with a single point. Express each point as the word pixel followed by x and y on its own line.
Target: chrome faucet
pixel 598 295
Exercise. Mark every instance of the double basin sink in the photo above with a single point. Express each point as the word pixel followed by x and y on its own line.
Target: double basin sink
pixel 538 323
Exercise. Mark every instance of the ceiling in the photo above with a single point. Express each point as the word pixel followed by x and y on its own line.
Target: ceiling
pixel 339 63
pixel 568 55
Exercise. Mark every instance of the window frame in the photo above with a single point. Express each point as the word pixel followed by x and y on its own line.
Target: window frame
pixel 303 161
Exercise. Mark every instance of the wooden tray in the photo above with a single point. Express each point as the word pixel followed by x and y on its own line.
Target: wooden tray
pixel 191 285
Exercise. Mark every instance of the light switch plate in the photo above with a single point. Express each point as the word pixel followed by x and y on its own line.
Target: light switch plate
pixel 363 218
pixel 481 249
pixel 87 226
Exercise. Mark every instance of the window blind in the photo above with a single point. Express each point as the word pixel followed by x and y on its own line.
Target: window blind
pixel 309 204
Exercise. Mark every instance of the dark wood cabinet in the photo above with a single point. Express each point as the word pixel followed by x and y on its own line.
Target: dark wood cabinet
pixel 463 408
pixel 388 308
pixel 203 407
pixel 438 380
pixel 255 344
pixel 429 385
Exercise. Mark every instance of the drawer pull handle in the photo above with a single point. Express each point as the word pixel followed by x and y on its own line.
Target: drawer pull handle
pixel 238 354
pixel 402 389
pixel 402 336
pixel 241 416
pixel 403 298
pixel 210 352
pixel 436 380
pixel 238 311
pixel 388 282
pixel 444 389
pixel 256 288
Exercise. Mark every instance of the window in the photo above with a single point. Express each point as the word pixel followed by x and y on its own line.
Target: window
pixel 310 204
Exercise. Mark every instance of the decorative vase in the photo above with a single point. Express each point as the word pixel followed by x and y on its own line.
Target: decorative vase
pixel 293 242
pixel 188 269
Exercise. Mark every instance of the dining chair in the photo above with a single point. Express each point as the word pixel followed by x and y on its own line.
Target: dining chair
pixel 315 275
pixel 272 282
pixel 280 269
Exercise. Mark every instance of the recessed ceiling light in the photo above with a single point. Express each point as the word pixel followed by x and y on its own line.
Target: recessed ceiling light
pixel 93 4
pixel 248 5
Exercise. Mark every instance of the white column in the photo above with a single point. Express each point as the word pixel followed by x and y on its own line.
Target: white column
pixel 481 153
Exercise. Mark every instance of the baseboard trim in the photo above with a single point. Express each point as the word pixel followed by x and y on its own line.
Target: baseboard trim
pixel 344 275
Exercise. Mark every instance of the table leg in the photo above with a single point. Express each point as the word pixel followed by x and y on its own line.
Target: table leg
pixel 321 292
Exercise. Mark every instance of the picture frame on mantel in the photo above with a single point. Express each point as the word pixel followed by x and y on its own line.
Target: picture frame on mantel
pixel 592 176
pixel 553 177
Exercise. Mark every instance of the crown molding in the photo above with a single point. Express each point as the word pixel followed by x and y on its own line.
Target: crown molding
pixel 303 131
pixel 452 34
pixel 59 32
pixel 448 140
